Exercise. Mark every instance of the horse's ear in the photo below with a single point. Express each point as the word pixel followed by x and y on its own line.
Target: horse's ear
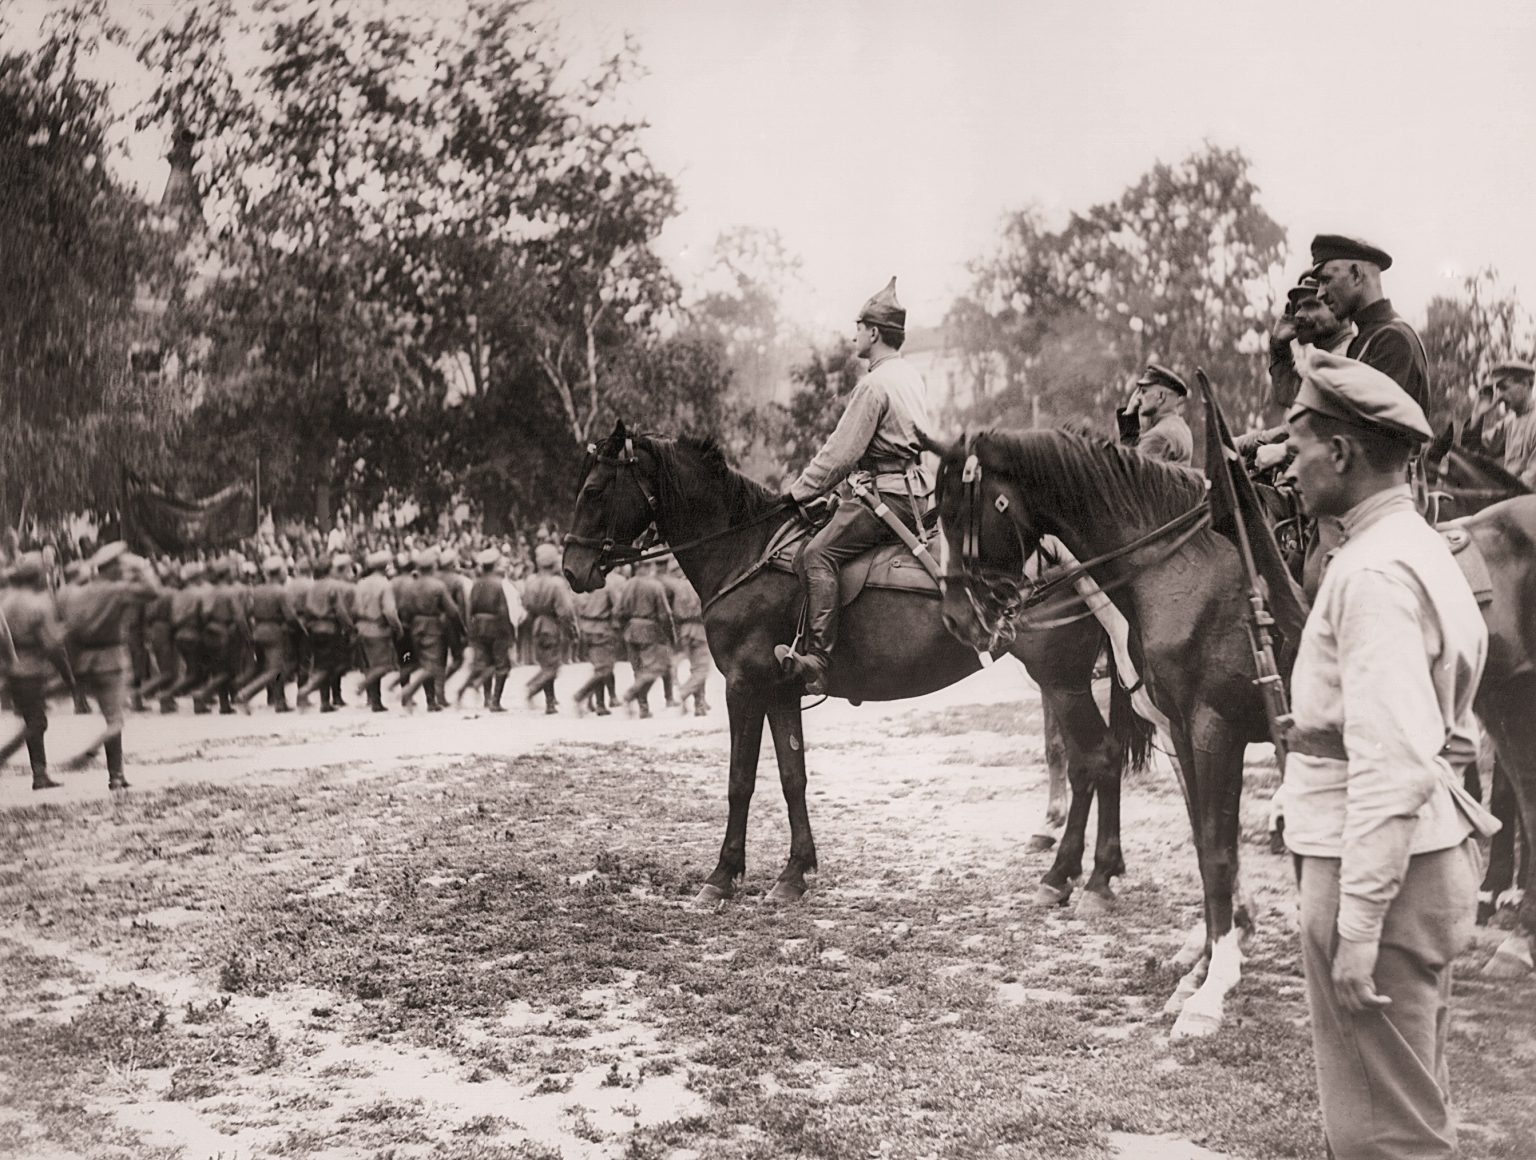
pixel 618 431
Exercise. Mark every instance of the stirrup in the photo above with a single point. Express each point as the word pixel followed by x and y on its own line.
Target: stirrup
pixel 810 669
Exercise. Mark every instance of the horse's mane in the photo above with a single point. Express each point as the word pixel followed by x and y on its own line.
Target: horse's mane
pixel 1093 477
pixel 1498 475
pixel 744 497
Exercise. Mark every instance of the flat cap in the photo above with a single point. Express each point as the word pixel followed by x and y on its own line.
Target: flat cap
pixel 1362 396
pixel 1512 369
pixel 1338 248
pixel 884 310
pixel 1157 375
pixel 1304 290
pixel 108 552
pixel 488 558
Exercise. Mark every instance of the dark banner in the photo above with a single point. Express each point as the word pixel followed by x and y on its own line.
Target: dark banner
pixel 156 522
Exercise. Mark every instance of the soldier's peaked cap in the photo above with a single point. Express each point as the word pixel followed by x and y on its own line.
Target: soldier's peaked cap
pixel 1362 396
pixel 1513 369
pixel 1338 248
pixel 1157 375
pixel 884 310
pixel 1304 290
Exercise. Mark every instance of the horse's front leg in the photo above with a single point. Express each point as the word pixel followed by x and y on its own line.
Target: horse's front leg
pixel 746 716
pixel 1217 792
pixel 789 744
pixel 1064 712
pixel 1056 768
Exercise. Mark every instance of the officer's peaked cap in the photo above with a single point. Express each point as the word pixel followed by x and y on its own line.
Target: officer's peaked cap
pixel 1338 248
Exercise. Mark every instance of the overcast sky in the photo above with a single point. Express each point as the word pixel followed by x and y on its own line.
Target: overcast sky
pixel 885 137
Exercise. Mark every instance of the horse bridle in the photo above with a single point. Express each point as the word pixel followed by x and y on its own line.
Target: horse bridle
pixel 611 553
pixel 1008 597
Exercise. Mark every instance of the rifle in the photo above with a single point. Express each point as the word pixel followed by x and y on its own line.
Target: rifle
pixel 1260 623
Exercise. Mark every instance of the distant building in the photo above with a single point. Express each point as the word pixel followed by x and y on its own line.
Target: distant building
pixel 951 386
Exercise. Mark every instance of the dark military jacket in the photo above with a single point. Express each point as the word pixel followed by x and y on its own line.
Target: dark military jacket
pixel 1389 344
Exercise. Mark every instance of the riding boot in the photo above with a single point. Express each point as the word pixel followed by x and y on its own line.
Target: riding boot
pixel 113 748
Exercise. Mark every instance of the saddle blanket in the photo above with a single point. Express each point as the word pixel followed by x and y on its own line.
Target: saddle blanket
pixel 1470 557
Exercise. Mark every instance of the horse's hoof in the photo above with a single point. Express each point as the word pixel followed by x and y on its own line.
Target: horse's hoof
pixel 1093 904
pixel 1039 843
pixel 710 897
pixel 1195 1023
pixel 1047 895
pixel 783 892
pixel 1511 961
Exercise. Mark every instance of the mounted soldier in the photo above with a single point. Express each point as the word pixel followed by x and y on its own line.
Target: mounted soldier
pixel 875 448
pixel 1153 421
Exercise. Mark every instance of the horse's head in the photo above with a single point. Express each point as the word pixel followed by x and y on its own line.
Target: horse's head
pixel 615 504
pixel 978 506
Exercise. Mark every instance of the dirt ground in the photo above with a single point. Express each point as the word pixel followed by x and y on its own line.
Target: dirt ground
pixel 471 937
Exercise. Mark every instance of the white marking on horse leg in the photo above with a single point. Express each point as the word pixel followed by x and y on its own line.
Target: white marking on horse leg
pixel 1188 985
pixel 1192 950
pixel 1202 1013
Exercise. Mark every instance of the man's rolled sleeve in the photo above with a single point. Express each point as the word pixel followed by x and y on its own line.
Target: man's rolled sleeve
pixel 1393 732
pixel 844 446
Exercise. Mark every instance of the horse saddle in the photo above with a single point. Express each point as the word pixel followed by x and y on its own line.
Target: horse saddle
pixel 891 566
pixel 1470 557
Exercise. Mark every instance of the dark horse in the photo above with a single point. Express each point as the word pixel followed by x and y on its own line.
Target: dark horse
pixel 892 644
pixel 1183 595
pixel 1463 482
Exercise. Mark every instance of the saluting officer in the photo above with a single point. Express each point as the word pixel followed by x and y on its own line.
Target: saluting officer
pixel 1381 695
pixel 1158 407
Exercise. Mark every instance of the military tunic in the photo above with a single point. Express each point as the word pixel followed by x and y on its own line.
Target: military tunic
pixel 1386 342
pixel 1168 439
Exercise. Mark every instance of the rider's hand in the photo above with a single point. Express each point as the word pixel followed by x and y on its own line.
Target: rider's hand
pixel 1269 455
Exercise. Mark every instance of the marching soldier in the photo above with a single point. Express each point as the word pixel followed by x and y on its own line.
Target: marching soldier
pixel 491 629
pixel 405 575
pixel 378 626
pixel 187 631
pixel 594 619
pixel 225 633
pixel 1157 408
pixel 95 631
pixel 1382 696
pixel 1348 273
pixel 547 600
pixel 328 616
pixel 877 442
pixel 428 608
pixel 37 651
pixel 692 643
pixel 274 624
pixel 644 616
pixel 77 573
pixel 299 584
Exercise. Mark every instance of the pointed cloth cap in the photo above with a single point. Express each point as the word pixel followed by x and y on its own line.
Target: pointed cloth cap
pixel 1354 393
pixel 884 310
pixel 1337 248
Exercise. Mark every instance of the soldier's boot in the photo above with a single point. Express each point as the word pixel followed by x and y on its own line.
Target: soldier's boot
pixel 113 747
pixel 666 688
pixel 497 687
pixel 167 705
pixel 38 754
pixel 137 703
pixel 551 706
pixel 82 706
pixel 200 706
pixel 700 707
pixel 225 708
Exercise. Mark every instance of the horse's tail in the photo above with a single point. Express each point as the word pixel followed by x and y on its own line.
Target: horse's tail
pixel 1133 734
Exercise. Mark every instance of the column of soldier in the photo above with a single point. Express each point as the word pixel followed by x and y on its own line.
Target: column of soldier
pixel 127 633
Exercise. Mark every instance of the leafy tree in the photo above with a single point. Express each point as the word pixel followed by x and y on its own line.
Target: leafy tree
pixel 1466 336
pixel 1176 270
pixel 823 383
pixel 79 252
